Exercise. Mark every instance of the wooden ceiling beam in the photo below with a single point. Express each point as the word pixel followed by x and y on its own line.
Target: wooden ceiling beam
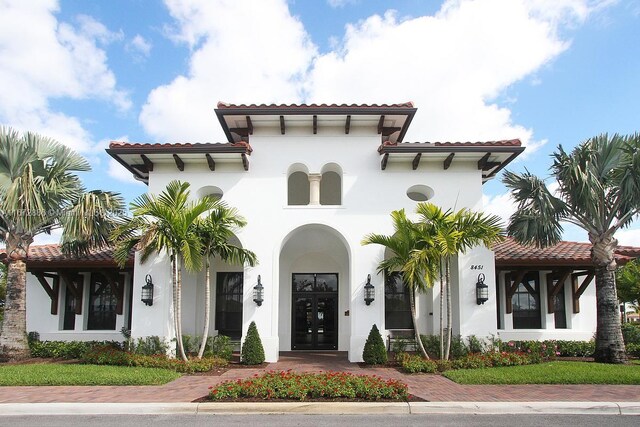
pixel 347 125
pixel 416 161
pixel 385 159
pixel 240 131
pixel 179 162
pixel 448 160
pixel 490 165
pixel 210 162
pixel 380 124
pixel 249 125
pixel 315 124
pixel 52 290
pixel 282 125
pixel 148 163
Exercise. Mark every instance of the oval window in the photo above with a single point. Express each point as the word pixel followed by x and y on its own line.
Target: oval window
pixel 420 193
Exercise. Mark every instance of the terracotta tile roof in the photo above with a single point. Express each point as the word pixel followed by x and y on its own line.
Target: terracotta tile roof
pixel 224 105
pixel 51 255
pixel 502 143
pixel 564 253
pixel 177 145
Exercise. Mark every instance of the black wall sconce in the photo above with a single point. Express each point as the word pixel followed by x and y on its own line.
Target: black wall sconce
pixel 369 291
pixel 147 291
pixel 258 293
pixel 482 290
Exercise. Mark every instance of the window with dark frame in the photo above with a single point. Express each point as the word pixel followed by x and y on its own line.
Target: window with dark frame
pixel 229 288
pixel 397 302
pixel 526 303
pixel 69 319
pixel 560 310
pixel 102 304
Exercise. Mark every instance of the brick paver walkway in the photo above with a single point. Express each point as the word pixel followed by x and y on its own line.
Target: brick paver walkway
pixel 430 387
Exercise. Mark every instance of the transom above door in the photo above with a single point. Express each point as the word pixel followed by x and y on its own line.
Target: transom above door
pixel 314 311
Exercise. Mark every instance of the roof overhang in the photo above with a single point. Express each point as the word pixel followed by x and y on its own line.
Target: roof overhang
pixel 390 121
pixel 491 157
pixel 140 159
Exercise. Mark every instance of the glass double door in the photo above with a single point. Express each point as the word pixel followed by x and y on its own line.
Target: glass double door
pixel 315 311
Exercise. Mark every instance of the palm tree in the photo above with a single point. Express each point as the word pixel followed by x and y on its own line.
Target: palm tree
pixel 599 191
pixel 40 192
pixel 454 233
pixel 418 272
pixel 166 223
pixel 215 230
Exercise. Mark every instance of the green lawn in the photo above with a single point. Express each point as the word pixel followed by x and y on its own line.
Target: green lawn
pixel 76 374
pixel 550 373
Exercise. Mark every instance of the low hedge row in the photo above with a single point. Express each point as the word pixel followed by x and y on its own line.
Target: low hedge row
pixel 301 386
pixel 106 355
pixel 415 363
pixel 67 349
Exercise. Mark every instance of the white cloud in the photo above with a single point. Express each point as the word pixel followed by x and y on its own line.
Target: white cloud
pixel 501 205
pixel 241 52
pixel 42 59
pixel 46 239
pixel 340 3
pixel 139 48
pixel 629 237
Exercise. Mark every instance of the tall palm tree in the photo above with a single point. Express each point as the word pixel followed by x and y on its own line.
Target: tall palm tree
pixel 215 231
pixel 418 272
pixel 599 191
pixel 40 192
pixel 166 223
pixel 454 233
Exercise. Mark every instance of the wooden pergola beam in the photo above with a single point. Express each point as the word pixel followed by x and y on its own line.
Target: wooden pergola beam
pixel 347 125
pixel 483 161
pixel 380 124
pixel 52 290
pixel 416 161
pixel 578 289
pixel 553 290
pixel 315 124
pixel 147 162
pixel 245 161
pixel 511 287
pixel 385 159
pixel 448 160
pixel 282 128
pixel 210 162
pixel 179 162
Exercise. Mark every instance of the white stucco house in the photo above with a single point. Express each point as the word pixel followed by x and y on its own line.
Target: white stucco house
pixel 312 181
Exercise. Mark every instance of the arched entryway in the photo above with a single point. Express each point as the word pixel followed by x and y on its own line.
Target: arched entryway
pixel 314 290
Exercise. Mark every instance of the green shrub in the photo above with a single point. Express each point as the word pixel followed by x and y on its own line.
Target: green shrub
pixel 431 344
pixel 374 352
pixel 631 333
pixel 252 352
pixel 149 346
pixel 401 344
pixel 416 363
pixel 220 346
pixel 576 348
pixel 633 350
pixel 458 348
pixel 301 386
pixel 475 344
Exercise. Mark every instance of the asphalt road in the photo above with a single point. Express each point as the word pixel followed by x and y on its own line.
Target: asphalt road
pixel 320 420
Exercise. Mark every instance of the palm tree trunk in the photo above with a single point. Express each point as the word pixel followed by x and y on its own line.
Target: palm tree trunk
pixel 441 311
pixel 609 341
pixel 13 338
pixel 207 307
pixel 412 300
pixel 179 312
pixel 449 316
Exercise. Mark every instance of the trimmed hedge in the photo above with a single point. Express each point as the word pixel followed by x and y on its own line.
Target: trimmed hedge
pixel 67 349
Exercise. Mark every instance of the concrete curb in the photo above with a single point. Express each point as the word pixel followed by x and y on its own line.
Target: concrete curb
pixel 334 408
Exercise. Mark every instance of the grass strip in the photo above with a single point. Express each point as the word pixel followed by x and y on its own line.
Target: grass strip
pixel 550 373
pixel 77 374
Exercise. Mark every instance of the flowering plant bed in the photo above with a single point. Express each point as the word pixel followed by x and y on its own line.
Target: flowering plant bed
pixel 310 386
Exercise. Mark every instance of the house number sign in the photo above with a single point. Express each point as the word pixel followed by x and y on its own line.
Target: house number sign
pixel 477 267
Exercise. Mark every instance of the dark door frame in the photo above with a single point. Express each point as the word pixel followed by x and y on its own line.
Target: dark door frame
pixel 314 295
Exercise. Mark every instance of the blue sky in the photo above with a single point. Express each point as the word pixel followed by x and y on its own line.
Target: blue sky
pixel 546 71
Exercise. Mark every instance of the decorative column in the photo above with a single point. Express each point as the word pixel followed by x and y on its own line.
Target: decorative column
pixel 314 188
